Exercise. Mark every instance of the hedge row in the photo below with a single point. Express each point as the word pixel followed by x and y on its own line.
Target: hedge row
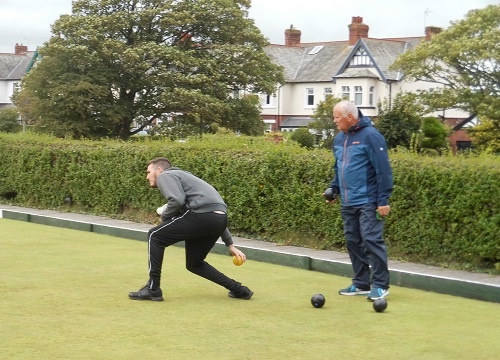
pixel 446 210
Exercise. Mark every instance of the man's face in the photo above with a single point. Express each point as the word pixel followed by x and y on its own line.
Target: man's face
pixel 152 174
pixel 343 122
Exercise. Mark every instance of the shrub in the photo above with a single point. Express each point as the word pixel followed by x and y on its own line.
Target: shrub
pixel 445 210
pixel 304 138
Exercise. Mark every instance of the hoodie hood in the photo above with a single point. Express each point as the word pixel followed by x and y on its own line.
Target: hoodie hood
pixel 363 122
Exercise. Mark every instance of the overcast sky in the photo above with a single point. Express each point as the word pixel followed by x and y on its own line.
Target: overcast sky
pixel 28 22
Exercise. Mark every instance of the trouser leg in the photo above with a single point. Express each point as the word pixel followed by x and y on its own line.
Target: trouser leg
pixel 355 246
pixel 372 233
pixel 209 227
pixel 167 233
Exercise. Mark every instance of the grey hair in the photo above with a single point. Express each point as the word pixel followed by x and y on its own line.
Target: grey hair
pixel 347 107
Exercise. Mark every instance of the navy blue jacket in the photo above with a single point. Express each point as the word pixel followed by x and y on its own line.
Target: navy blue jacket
pixel 362 171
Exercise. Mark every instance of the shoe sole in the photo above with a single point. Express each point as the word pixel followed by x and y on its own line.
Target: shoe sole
pixel 156 298
pixel 354 293
pixel 379 297
pixel 248 297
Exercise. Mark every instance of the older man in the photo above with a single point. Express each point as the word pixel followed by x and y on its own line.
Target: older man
pixel 363 180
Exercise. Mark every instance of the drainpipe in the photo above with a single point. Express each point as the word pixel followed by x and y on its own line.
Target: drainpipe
pixel 390 94
pixel 278 122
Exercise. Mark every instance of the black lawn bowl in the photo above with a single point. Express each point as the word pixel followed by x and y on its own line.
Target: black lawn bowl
pixel 318 301
pixel 380 305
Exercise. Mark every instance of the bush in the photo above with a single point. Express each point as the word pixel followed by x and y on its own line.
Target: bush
pixel 304 138
pixel 445 210
pixel 9 120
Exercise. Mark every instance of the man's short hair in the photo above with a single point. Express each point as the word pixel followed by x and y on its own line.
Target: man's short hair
pixel 160 162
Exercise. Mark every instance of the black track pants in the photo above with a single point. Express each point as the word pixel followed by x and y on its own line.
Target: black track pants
pixel 200 232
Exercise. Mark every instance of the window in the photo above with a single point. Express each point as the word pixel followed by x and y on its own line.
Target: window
pixel 267 100
pixel 371 95
pixel 328 91
pixel 269 125
pixel 358 95
pixel 346 93
pixel 236 93
pixel 310 97
pixel 316 50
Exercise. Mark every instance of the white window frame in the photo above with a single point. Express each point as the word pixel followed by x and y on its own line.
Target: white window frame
pixel 267 100
pixel 310 97
pixel 358 95
pixel 328 91
pixel 268 124
pixel 371 96
pixel 346 93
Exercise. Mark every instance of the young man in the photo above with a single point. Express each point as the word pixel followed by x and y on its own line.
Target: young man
pixel 196 214
pixel 363 179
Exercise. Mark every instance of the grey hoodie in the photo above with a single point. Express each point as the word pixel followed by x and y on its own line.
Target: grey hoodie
pixel 184 192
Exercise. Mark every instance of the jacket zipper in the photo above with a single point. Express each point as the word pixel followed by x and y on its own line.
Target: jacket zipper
pixel 344 165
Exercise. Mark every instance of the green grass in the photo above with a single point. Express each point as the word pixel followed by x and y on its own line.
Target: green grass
pixel 64 296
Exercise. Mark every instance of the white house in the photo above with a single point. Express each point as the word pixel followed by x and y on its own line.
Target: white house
pixel 357 69
pixel 12 69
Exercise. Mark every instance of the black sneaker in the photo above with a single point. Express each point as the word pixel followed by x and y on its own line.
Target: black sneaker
pixel 242 293
pixel 147 294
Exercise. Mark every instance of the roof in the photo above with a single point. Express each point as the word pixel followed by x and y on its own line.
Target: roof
pixel 14 67
pixel 467 123
pixel 296 122
pixel 301 64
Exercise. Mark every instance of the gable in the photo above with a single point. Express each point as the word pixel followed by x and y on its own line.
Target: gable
pixel 358 62
pixel 377 55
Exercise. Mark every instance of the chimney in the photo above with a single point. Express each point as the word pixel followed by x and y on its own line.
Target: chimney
pixel 430 31
pixel 357 30
pixel 292 36
pixel 20 49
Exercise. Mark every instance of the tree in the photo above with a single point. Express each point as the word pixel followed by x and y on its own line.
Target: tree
pixel 9 120
pixel 464 60
pixel 400 120
pixel 112 62
pixel 434 134
pixel 485 136
pixel 243 116
pixel 323 120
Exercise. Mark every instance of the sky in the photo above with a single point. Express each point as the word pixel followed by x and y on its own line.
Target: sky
pixel 28 22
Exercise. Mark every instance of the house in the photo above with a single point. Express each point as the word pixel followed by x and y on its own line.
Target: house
pixel 356 69
pixel 12 69
pixel 459 138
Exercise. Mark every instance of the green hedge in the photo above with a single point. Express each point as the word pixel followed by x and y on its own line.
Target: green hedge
pixel 446 210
